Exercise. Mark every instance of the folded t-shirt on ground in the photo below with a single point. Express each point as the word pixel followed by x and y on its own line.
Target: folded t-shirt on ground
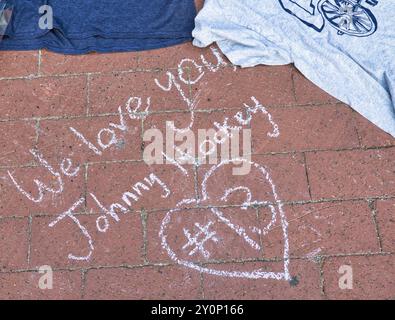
pixel 81 26
pixel 346 47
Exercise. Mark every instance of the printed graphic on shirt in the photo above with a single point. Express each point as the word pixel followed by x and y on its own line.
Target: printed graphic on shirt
pixel 350 17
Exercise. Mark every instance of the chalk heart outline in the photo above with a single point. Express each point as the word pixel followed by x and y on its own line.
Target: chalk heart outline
pixel 255 274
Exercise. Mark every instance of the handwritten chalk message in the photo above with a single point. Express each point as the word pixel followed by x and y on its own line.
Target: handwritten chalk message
pixel 206 232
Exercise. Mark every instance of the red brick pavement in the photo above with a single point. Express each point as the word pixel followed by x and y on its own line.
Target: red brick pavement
pixel 333 172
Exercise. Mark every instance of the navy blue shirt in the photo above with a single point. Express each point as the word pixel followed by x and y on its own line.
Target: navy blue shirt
pixel 81 26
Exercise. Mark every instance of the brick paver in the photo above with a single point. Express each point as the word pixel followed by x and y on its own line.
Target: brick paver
pixel 72 143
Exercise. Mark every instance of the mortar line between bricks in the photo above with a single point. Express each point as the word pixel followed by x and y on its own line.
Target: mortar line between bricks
pixel 356 254
pixel 39 62
pixel 322 277
pixel 49 76
pixel 293 84
pixel 86 168
pixel 83 282
pixel 144 216
pixel 50 215
pixel 88 84
pixel 29 239
pixel 196 181
pixel 354 122
pixel 373 210
pixel 253 154
pixel 138 60
pixel 163 210
pixel 94 73
pixel 89 163
pixel 260 235
pixel 222 67
pixel 87 269
pixel 285 203
pixel 324 150
pixel 142 147
pixel 106 73
pixel 303 258
pixel 239 107
pixel 307 174
pixel 156 112
pixel 13 217
pixel 201 285
pixel 150 265
pixel 210 262
pixel 37 129
pixel 195 164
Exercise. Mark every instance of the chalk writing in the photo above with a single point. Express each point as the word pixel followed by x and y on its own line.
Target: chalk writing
pixel 129 198
pixel 69 214
pixel 42 187
pixel 199 244
pixel 277 212
pixel 201 235
pixel 102 222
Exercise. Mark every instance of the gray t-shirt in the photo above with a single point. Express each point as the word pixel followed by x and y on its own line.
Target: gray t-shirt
pixel 346 47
